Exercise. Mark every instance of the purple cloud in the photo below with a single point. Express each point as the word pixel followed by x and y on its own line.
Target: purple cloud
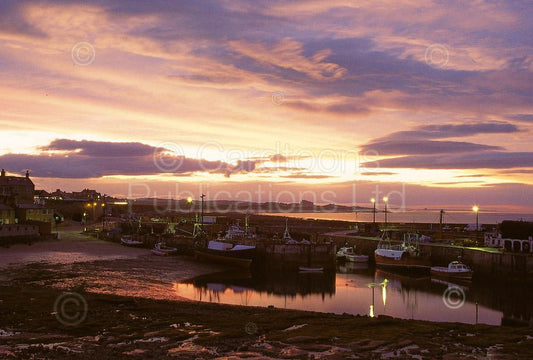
pixel 486 160
pixel 424 147
pixel 94 159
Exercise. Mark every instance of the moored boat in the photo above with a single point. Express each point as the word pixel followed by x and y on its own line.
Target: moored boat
pixel 128 240
pixel 318 269
pixel 227 253
pixel 347 253
pixel 162 250
pixel 454 270
pixel 406 256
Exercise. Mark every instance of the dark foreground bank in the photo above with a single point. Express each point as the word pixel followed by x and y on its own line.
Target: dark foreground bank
pixel 43 323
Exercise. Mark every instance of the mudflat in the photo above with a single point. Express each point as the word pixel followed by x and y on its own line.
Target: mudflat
pixel 81 298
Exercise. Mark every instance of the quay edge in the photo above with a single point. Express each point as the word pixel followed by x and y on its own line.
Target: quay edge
pixel 484 261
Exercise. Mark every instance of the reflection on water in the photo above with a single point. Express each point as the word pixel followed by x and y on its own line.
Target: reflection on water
pixel 354 290
pixel 414 216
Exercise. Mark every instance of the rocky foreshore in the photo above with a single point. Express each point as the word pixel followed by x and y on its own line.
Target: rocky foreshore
pixel 98 326
pixel 121 307
pixel 43 322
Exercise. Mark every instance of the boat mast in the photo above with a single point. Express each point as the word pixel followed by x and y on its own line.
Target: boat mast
pixel 440 223
pixel 286 235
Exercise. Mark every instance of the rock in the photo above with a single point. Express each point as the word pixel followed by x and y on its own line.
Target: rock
pixel 302 339
pixel 292 352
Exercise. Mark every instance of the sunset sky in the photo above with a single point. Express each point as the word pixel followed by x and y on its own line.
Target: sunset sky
pixel 330 101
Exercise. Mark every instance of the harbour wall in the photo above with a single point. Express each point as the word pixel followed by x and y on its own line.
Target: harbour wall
pixel 291 256
pixel 484 262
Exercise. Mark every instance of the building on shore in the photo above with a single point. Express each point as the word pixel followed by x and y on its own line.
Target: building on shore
pixel 16 189
pixel 512 245
pixel 7 214
pixel 20 216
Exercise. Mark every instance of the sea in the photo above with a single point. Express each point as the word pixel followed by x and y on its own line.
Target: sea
pixel 414 216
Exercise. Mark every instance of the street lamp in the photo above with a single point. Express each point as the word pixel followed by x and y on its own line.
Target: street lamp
pixel 385 200
pixel 475 208
pixel 189 202
pixel 103 215
pixel 374 211
pixel 84 222
pixel 202 212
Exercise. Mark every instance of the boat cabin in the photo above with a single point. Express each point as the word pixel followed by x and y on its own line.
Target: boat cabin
pixel 457 266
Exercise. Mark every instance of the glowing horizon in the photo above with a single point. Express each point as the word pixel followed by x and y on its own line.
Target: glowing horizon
pixel 302 97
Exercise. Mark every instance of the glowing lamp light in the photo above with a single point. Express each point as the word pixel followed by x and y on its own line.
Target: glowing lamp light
pixel 475 208
pixel 189 199
pixel 373 201
pixel 385 199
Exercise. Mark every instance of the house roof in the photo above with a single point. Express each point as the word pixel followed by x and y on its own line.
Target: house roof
pixel 15 180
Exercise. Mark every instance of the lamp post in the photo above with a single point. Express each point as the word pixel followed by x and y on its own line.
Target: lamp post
pixel 202 212
pixel 103 216
pixel 374 211
pixel 385 200
pixel 84 221
pixel 89 205
pixel 475 208
pixel 189 202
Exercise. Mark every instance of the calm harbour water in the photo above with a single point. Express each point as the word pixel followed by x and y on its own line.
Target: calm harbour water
pixel 365 291
pixel 418 216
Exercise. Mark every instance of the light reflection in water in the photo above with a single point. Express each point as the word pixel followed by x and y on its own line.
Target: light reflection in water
pixel 402 297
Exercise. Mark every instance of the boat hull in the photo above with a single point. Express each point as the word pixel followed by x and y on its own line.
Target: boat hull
pixel 357 258
pixel 132 243
pixel 311 269
pixel 464 275
pixel 408 263
pixel 228 257
pixel 161 253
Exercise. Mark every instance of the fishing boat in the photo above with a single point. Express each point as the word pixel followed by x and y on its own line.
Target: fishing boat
pixel 227 253
pixel 127 240
pixel 314 269
pixel 454 270
pixel 162 250
pixel 347 253
pixel 406 256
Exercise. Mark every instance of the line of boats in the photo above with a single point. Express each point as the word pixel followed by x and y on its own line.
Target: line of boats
pixel 160 248
pixel 404 257
pixel 408 257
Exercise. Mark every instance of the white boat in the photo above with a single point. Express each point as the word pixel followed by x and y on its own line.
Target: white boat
pixel 219 251
pixel 315 269
pixel 455 270
pixel 348 253
pixel 162 250
pixel 128 241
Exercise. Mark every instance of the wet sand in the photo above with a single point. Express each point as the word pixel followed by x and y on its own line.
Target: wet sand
pixel 84 298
